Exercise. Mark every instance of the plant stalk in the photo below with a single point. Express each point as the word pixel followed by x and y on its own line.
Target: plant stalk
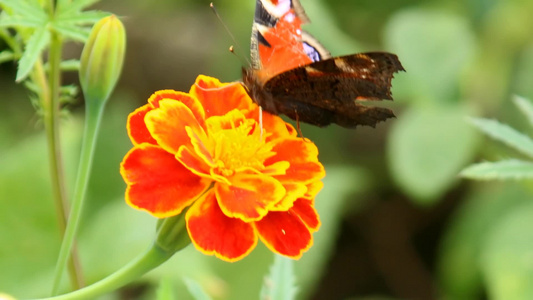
pixel 50 100
pixel 154 257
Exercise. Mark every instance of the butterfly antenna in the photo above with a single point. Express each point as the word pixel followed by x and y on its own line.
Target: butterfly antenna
pixel 228 31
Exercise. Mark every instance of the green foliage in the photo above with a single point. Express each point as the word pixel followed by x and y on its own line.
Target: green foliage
pixel 36 45
pixel 279 284
pixel 525 106
pixel 461 265
pixel 506 260
pixel 425 156
pixel 435 47
pixel 430 142
pixel 68 19
pixel 506 169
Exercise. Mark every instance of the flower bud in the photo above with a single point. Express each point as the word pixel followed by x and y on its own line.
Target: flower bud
pixel 102 58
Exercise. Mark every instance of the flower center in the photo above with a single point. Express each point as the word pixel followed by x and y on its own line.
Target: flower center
pixel 239 147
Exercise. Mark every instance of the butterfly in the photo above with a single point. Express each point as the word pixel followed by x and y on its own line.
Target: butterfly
pixel 291 73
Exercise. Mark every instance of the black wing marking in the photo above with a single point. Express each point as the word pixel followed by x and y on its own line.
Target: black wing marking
pixel 332 90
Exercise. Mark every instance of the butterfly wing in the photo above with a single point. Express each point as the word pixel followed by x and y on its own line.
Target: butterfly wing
pixel 334 90
pixel 278 43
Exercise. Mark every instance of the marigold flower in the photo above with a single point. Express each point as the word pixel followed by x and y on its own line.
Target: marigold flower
pixel 205 150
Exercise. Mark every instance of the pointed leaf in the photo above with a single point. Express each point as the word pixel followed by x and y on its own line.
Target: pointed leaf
pixel 36 44
pixel 66 7
pixel 25 8
pixel 505 134
pixel 280 283
pixel 6 55
pixel 196 289
pixel 505 169
pixel 72 31
pixel 12 21
pixel 87 17
pixel 525 106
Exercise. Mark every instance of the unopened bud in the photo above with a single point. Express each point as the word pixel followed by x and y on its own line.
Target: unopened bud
pixel 102 59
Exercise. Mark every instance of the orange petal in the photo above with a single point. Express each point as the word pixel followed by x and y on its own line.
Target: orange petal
pixel 192 103
pixel 313 189
pixel 158 183
pixel 284 233
pixel 303 158
pixel 213 233
pixel 167 124
pixel 250 196
pixel 307 213
pixel 293 192
pixel 137 130
pixel 192 162
pixel 272 124
pixel 232 119
pixel 219 98
pixel 277 168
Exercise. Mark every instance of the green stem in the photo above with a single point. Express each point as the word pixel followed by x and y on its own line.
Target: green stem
pixel 51 119
pixel 10 41
pixel 94 111
pixel 154 257
pixel 51 7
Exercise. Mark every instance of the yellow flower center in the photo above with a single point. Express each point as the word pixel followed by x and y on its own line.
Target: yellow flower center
pixel 239 147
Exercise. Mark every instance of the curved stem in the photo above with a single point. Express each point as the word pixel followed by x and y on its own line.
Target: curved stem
pixel 92 122
pixel 50 100
pixel 154 257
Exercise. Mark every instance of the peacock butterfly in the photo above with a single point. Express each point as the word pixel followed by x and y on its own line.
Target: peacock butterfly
pixel 292 74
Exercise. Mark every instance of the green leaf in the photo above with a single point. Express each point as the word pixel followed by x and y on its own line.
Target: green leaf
pixel 25 9
pixel 505 134
pixel 87 17
pixel 505 169
pixel 36 44
pixel 434 47
pixel 280 282
pixel 6 55
pixel 525 106
pixel 72 31
pixel 12 21
pixel 459 273
pixel 507 261
pixel 66 7
pixel 427 148
pixel 196 289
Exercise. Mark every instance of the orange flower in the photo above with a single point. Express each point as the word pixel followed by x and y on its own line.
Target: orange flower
pixel 205 149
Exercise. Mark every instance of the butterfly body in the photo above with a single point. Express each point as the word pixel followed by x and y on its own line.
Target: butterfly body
pixel 292 74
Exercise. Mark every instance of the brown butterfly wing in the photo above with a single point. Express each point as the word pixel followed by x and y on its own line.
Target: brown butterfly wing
pixel 334 90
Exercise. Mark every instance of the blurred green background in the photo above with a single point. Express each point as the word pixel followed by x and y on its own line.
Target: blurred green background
pixel 398 222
